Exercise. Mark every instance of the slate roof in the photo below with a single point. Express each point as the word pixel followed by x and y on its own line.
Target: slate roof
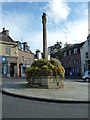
pixel 6 38
pixel 78 45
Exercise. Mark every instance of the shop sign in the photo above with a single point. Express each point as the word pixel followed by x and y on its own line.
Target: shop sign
pixel 3 59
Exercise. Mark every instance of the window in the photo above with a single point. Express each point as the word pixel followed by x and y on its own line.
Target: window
pixel 74 61
pixel 89 42
pixel 86 55
pixel 69 52
pixel 22 46
pixel 19 46
pixel 78 70
pixel 22 59
pixel 8 50
pixel 65 54
pixel 28 60
pixel 69 62
pixel 75 50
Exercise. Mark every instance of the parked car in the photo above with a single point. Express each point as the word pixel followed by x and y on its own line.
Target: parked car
pixel 86 76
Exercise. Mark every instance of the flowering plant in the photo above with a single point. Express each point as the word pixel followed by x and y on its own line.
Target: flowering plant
pixel 44 67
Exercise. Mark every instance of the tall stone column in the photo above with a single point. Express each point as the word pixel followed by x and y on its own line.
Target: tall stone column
pixel 44 36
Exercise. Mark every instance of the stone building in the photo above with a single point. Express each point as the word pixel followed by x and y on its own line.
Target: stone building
pixel 14 55
pixel 8 54
pixel 85 55
pixel 25 58
pixel 71 59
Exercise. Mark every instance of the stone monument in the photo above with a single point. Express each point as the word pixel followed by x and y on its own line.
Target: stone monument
pixel 44 36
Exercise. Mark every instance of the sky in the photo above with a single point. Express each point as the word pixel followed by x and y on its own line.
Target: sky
pixel 66 21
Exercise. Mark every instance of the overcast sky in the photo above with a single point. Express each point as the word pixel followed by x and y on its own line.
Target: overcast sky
pixel 66 21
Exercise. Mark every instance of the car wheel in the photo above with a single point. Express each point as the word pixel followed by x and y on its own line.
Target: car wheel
pixel 87 79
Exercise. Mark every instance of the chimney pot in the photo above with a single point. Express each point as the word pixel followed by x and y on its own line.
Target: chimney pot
pixel 3 29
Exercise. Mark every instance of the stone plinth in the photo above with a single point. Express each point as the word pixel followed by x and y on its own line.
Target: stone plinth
pixel 46 82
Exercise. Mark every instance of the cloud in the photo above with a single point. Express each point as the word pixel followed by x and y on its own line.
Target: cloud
pixel 57 10
pixel 0 14
pixel 17 23
pixel 35 40
pixel 20 26
pixel 73 32
pixel 24 25
pixel 23 0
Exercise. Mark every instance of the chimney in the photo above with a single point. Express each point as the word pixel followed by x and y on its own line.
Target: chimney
pixel 5 32
pixel 38 54
pixel 3 29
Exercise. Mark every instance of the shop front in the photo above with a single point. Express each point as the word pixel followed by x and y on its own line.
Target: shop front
pixel 3 60
pixel 22 69
pixel 12 66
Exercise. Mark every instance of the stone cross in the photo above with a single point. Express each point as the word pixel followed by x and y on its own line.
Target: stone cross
pixel 44 36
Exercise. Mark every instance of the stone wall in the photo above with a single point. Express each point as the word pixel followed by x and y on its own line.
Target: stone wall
pixel 46 82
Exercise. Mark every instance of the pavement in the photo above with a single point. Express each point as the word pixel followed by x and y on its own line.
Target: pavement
pixel 73 91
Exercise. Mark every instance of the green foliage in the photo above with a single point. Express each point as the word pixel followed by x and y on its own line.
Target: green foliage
pixel 53 62
pixel 55 50
pixel 44 67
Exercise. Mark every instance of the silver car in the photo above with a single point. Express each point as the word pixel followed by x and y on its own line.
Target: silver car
pixel 86 76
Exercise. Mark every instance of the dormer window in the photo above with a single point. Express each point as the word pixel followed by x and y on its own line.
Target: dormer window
pixel 19 45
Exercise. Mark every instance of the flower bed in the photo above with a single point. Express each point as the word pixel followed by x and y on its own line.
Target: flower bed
pixel 45 73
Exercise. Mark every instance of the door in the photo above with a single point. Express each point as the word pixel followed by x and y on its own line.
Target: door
pixel 11 69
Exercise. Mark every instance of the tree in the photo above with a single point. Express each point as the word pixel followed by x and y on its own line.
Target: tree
pixel 55 50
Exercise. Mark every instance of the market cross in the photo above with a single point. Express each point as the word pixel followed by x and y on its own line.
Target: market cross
pixel 44 36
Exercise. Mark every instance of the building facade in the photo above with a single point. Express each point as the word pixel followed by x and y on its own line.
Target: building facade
pixel 14 55
pixel 25 58
pixel 84 57
pixel 71 59
pixel 8 54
